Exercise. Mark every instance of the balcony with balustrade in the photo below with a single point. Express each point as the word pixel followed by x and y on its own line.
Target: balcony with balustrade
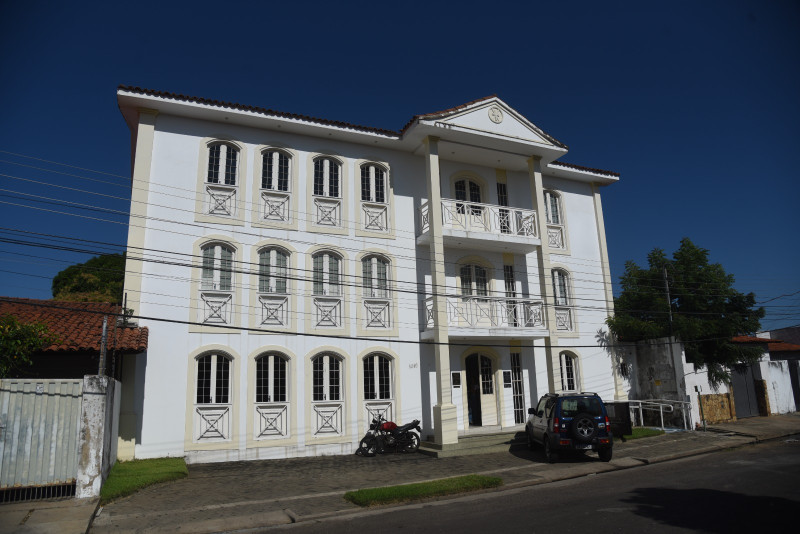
pixel 484 317
pixel 483 226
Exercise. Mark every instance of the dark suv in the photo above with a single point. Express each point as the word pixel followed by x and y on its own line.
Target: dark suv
pixel 570 422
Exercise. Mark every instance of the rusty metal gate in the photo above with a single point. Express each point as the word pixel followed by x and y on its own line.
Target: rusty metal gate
pixel 39 421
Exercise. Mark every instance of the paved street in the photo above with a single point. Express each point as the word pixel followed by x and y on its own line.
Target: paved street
pixel 742 490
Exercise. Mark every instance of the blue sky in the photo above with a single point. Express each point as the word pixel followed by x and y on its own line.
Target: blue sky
pixel 694 103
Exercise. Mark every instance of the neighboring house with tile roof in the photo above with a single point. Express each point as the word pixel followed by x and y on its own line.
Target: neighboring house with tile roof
pixel 301 275
pixel 775 375
pixel 79 327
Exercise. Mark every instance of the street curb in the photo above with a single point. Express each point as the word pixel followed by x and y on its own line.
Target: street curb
pixel 540 480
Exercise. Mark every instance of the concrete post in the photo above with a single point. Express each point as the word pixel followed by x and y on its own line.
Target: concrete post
pixel 97 439
pixel 543 265
pixel 445 419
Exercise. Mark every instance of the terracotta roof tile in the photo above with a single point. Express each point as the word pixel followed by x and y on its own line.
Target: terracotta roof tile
pixel 750 339
pixel 79 325
pixel 256 109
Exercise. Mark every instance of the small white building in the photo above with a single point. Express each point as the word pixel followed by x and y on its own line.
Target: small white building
pixel 299 275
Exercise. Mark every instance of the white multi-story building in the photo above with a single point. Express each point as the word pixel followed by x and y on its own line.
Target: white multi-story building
pixel 299 275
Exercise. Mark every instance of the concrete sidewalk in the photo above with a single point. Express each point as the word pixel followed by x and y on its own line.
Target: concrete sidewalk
pixel 244 495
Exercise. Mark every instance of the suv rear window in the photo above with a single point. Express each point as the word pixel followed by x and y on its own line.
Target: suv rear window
pixel 574 406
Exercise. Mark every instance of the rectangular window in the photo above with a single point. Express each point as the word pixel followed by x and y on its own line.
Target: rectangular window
pixel 280 267
pixel 319 379
pixel 481 284
pixel 207 276
pixel 230 166
pixel 380 186
pixel 333 275
pixel 213 164
pixel 279 379
pixel 366 276
pixel 487 383
pixel 263 272
pixel 319 177
pixel 318 274
pixel 333 180
pixel 502 194
pixel 382 280
pixel 283 172
pixel 366 194
pixel 333 375
pixel 204 380
pixel 223 380
pixel 262 379
pixel 225 269
pixel 517 388
pixel 474 192
pixel 504 215
pixel 369 378
pixel 384 380
pixel 508 279
pixel 466 280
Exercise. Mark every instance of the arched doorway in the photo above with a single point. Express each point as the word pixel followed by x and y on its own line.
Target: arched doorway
pixel 481 396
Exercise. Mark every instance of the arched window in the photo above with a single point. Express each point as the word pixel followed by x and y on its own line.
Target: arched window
pixel 326 273
pixel 468 190
pixel 217 271
pixel 326 177
pixel 223 163
pixel 552 207
pixel 213 398
pixel 377 377
pixel 327 378
pixel 275 171
pixel 213 379
pixel 569 372
pixel 271 378
pixel 272 270
pixel 474 280
pixel 375 279
pixel 373 183
pixel 561 287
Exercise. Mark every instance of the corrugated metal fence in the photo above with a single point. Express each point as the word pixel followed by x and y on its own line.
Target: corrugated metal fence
pixel 39 421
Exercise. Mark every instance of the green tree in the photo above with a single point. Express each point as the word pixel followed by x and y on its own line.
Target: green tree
pixel 19 340
pixel 100 279
pixel 706 310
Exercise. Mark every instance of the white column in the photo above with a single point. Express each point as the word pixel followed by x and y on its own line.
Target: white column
pixel 545 276
pixel 445 419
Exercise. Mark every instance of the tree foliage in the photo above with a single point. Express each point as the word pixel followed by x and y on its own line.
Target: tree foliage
pixel 19 340
pixel 100 279
pixel 707 311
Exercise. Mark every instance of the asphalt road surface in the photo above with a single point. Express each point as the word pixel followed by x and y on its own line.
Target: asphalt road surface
pixel 751 489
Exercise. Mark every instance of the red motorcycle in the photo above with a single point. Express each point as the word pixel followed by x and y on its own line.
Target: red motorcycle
pixel 385 436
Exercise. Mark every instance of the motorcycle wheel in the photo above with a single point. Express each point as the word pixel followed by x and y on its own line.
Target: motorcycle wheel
pixel 368 446
pixel 412 443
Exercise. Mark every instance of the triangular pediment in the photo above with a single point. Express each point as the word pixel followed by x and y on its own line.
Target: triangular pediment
pixel 494 117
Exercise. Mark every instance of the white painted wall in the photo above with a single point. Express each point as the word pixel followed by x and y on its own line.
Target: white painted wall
pixel 166 291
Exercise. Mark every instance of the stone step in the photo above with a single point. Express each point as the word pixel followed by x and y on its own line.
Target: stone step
pixel 480 444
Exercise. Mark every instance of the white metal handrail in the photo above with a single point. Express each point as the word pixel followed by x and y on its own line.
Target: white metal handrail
pixel 490 312
pixel 661 406
pixel 480 217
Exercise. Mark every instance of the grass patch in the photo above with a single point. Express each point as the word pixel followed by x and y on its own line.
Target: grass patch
pixel 643 432
pixel 422 490
pixel 129 477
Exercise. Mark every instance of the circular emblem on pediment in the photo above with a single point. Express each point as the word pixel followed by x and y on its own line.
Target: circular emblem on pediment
pixel 495 114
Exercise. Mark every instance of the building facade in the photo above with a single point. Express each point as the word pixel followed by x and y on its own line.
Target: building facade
pixel 299 275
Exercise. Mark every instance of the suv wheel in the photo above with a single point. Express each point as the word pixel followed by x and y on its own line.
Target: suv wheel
pixel 605 454
pixel 549 454
pixel 583 427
